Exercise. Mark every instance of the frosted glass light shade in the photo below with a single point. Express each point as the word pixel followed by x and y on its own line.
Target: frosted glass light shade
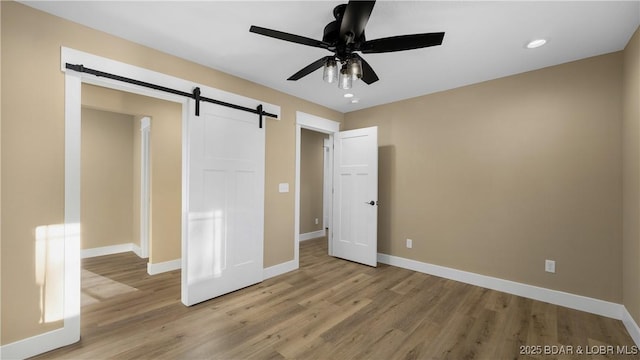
pixel 330 72
pixel 355 68
pixel 346 79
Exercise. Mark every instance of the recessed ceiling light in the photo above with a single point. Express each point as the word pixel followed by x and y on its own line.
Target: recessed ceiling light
pixel 536 43
pixel 348 95
pixel 355 101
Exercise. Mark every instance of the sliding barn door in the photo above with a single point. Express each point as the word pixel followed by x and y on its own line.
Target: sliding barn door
pixel 355 198
pixel 222 244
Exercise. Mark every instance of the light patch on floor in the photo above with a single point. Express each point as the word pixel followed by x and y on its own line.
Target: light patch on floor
pixel 97 288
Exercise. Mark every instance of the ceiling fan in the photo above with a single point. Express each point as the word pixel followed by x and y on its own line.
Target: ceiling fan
pixel 344 37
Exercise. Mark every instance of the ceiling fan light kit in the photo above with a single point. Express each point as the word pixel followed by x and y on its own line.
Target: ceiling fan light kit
pixel 351 68
pixel 344 37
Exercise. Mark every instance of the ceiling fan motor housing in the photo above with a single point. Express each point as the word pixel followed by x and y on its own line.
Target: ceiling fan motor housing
pixel 331 32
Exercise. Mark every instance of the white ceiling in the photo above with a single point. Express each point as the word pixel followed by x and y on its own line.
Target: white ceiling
pixel 484 40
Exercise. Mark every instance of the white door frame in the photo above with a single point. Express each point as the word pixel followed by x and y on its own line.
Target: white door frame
pixel 325 126
pixel 145 186
pixel 69 333
pixel 327 186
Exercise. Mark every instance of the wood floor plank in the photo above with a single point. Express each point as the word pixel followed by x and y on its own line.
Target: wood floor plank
pixel 449 341
pixel 515 317
pixel 306 333
pixel 327 309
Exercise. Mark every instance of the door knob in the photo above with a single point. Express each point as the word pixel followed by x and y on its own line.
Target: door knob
pixel 371 203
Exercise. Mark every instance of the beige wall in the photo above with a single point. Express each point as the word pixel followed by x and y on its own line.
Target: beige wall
pixel 311 180
pixel 166 163
pixel 631 177
pixel 33 146
pixel 107 179
pixel 496 177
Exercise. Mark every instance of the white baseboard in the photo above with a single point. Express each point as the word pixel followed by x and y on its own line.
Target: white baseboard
pixel 158 268
pixel 137 250
pixel 573 301
pixel 279 269
pixel 632 326
pixel 312 235
pixel 38 344
pixel 110 250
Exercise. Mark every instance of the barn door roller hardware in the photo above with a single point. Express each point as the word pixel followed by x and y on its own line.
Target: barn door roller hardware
pixel 195 95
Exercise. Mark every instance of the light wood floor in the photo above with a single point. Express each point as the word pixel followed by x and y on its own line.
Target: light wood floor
pixel 328 309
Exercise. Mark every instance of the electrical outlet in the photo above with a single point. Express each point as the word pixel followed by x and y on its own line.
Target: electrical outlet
pixel 316 221
pixel 550 266
pixel 409 243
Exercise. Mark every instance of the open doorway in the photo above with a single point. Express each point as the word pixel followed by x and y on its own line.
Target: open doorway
pixel 352 222
pixel 110 184
pixel 127 176
pixel 313 184
pixel 79 68
pixel 117 250
pixel 322 130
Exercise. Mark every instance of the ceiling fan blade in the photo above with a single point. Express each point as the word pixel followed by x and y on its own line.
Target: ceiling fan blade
pixel 288 37
pixel 355 18
pixel 368 75
pixel 309 69
pixel 402 42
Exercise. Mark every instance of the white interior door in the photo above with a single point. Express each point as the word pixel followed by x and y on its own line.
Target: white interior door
pixel 355 210
pixel 222 245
